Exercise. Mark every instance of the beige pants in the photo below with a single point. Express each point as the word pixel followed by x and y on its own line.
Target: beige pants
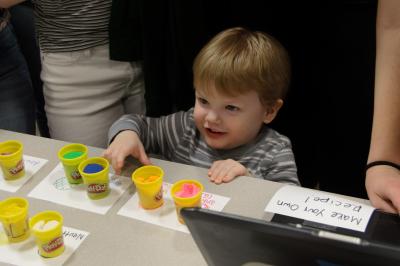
pixel 85 92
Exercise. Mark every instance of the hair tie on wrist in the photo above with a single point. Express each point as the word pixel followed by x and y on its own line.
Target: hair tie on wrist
pixel 375 163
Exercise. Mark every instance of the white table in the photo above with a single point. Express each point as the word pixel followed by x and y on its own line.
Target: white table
pixel 118 240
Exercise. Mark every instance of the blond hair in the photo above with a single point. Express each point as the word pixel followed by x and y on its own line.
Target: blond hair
pixel 237 60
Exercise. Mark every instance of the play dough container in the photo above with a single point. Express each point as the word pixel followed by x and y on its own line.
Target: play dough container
pixel 47 228
pixel 94 172
pixel 71 156
pixel 148 181
pixel 186 193
pixel 14 217
pixel 11 161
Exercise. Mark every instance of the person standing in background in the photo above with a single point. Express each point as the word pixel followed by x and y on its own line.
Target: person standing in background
pixel 16 92
pixel 22 19
pixel 84 90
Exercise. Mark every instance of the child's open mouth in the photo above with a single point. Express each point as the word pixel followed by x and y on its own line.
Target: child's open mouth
pixel 214 133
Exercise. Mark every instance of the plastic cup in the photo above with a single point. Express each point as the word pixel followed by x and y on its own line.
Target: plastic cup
pixel 148 181
pixel 182 202
pixel 94 172
pixel 49 241
pixel 11 161
pixel 71 156
pixel 14 217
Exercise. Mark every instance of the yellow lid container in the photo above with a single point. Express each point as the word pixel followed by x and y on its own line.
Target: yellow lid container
pixel 49 241
pixel 11 160
pixel 181 202
pixel 71 155
pixel 14 217
pixel 148 181
pixel 97 184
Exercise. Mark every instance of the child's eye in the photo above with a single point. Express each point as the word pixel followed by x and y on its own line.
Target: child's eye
pixel 232 108
pixel 202 100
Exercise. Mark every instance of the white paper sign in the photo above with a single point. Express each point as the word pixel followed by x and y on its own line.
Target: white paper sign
pixel 32 165
pixel 166 214
pixel 55 188
pixel 320 207
pixel 26 252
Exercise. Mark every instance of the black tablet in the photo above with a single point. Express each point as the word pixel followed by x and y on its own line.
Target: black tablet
pixel 227 239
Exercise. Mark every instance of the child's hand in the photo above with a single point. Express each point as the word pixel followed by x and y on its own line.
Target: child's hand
pixel 226 171
pixel 125 143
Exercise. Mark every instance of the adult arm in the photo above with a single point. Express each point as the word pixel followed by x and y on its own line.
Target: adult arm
pixel 383 182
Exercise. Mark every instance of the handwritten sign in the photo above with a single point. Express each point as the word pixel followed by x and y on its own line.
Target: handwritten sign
pixel 26 252
pixel 165 215
pixel 32 165
pixel 210 201
pixel 320 207
pixel 55 188
pixel 74 235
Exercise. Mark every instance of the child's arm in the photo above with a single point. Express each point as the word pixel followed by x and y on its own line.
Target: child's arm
pixel 153 135
pixel 125 143
pixel 271 159
pixel 224 171
pixel 282 168
pixel 159 135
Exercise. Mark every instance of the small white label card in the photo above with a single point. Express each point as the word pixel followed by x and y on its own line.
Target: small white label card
pixel 166 214
pixel 320 207
pixel 55 188
pixel 32 165
pixel 26 252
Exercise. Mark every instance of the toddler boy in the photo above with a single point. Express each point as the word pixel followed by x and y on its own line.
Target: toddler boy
pixel 240 79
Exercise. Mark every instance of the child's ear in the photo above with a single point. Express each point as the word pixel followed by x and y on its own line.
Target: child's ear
pixel 272 111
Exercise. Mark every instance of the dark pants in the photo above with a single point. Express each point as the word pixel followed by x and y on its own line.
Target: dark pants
pixel 17 109
pixel 22 19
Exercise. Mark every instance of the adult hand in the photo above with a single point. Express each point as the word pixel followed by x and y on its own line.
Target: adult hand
pixel 383 188
pixel 226 171
pixel 125 143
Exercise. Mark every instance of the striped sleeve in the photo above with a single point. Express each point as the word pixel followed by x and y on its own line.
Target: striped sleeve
pixel 282 168
pixel 158 135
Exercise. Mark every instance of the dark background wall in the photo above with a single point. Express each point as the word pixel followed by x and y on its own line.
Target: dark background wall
pixel 328 112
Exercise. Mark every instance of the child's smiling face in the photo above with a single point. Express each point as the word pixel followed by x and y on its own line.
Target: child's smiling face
pixel 227 122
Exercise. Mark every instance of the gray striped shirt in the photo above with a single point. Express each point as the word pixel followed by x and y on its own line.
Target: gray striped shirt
pixel 176 138
pixel 71 25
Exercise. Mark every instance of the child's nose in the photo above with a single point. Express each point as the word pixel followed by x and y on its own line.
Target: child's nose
pixel 212 117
